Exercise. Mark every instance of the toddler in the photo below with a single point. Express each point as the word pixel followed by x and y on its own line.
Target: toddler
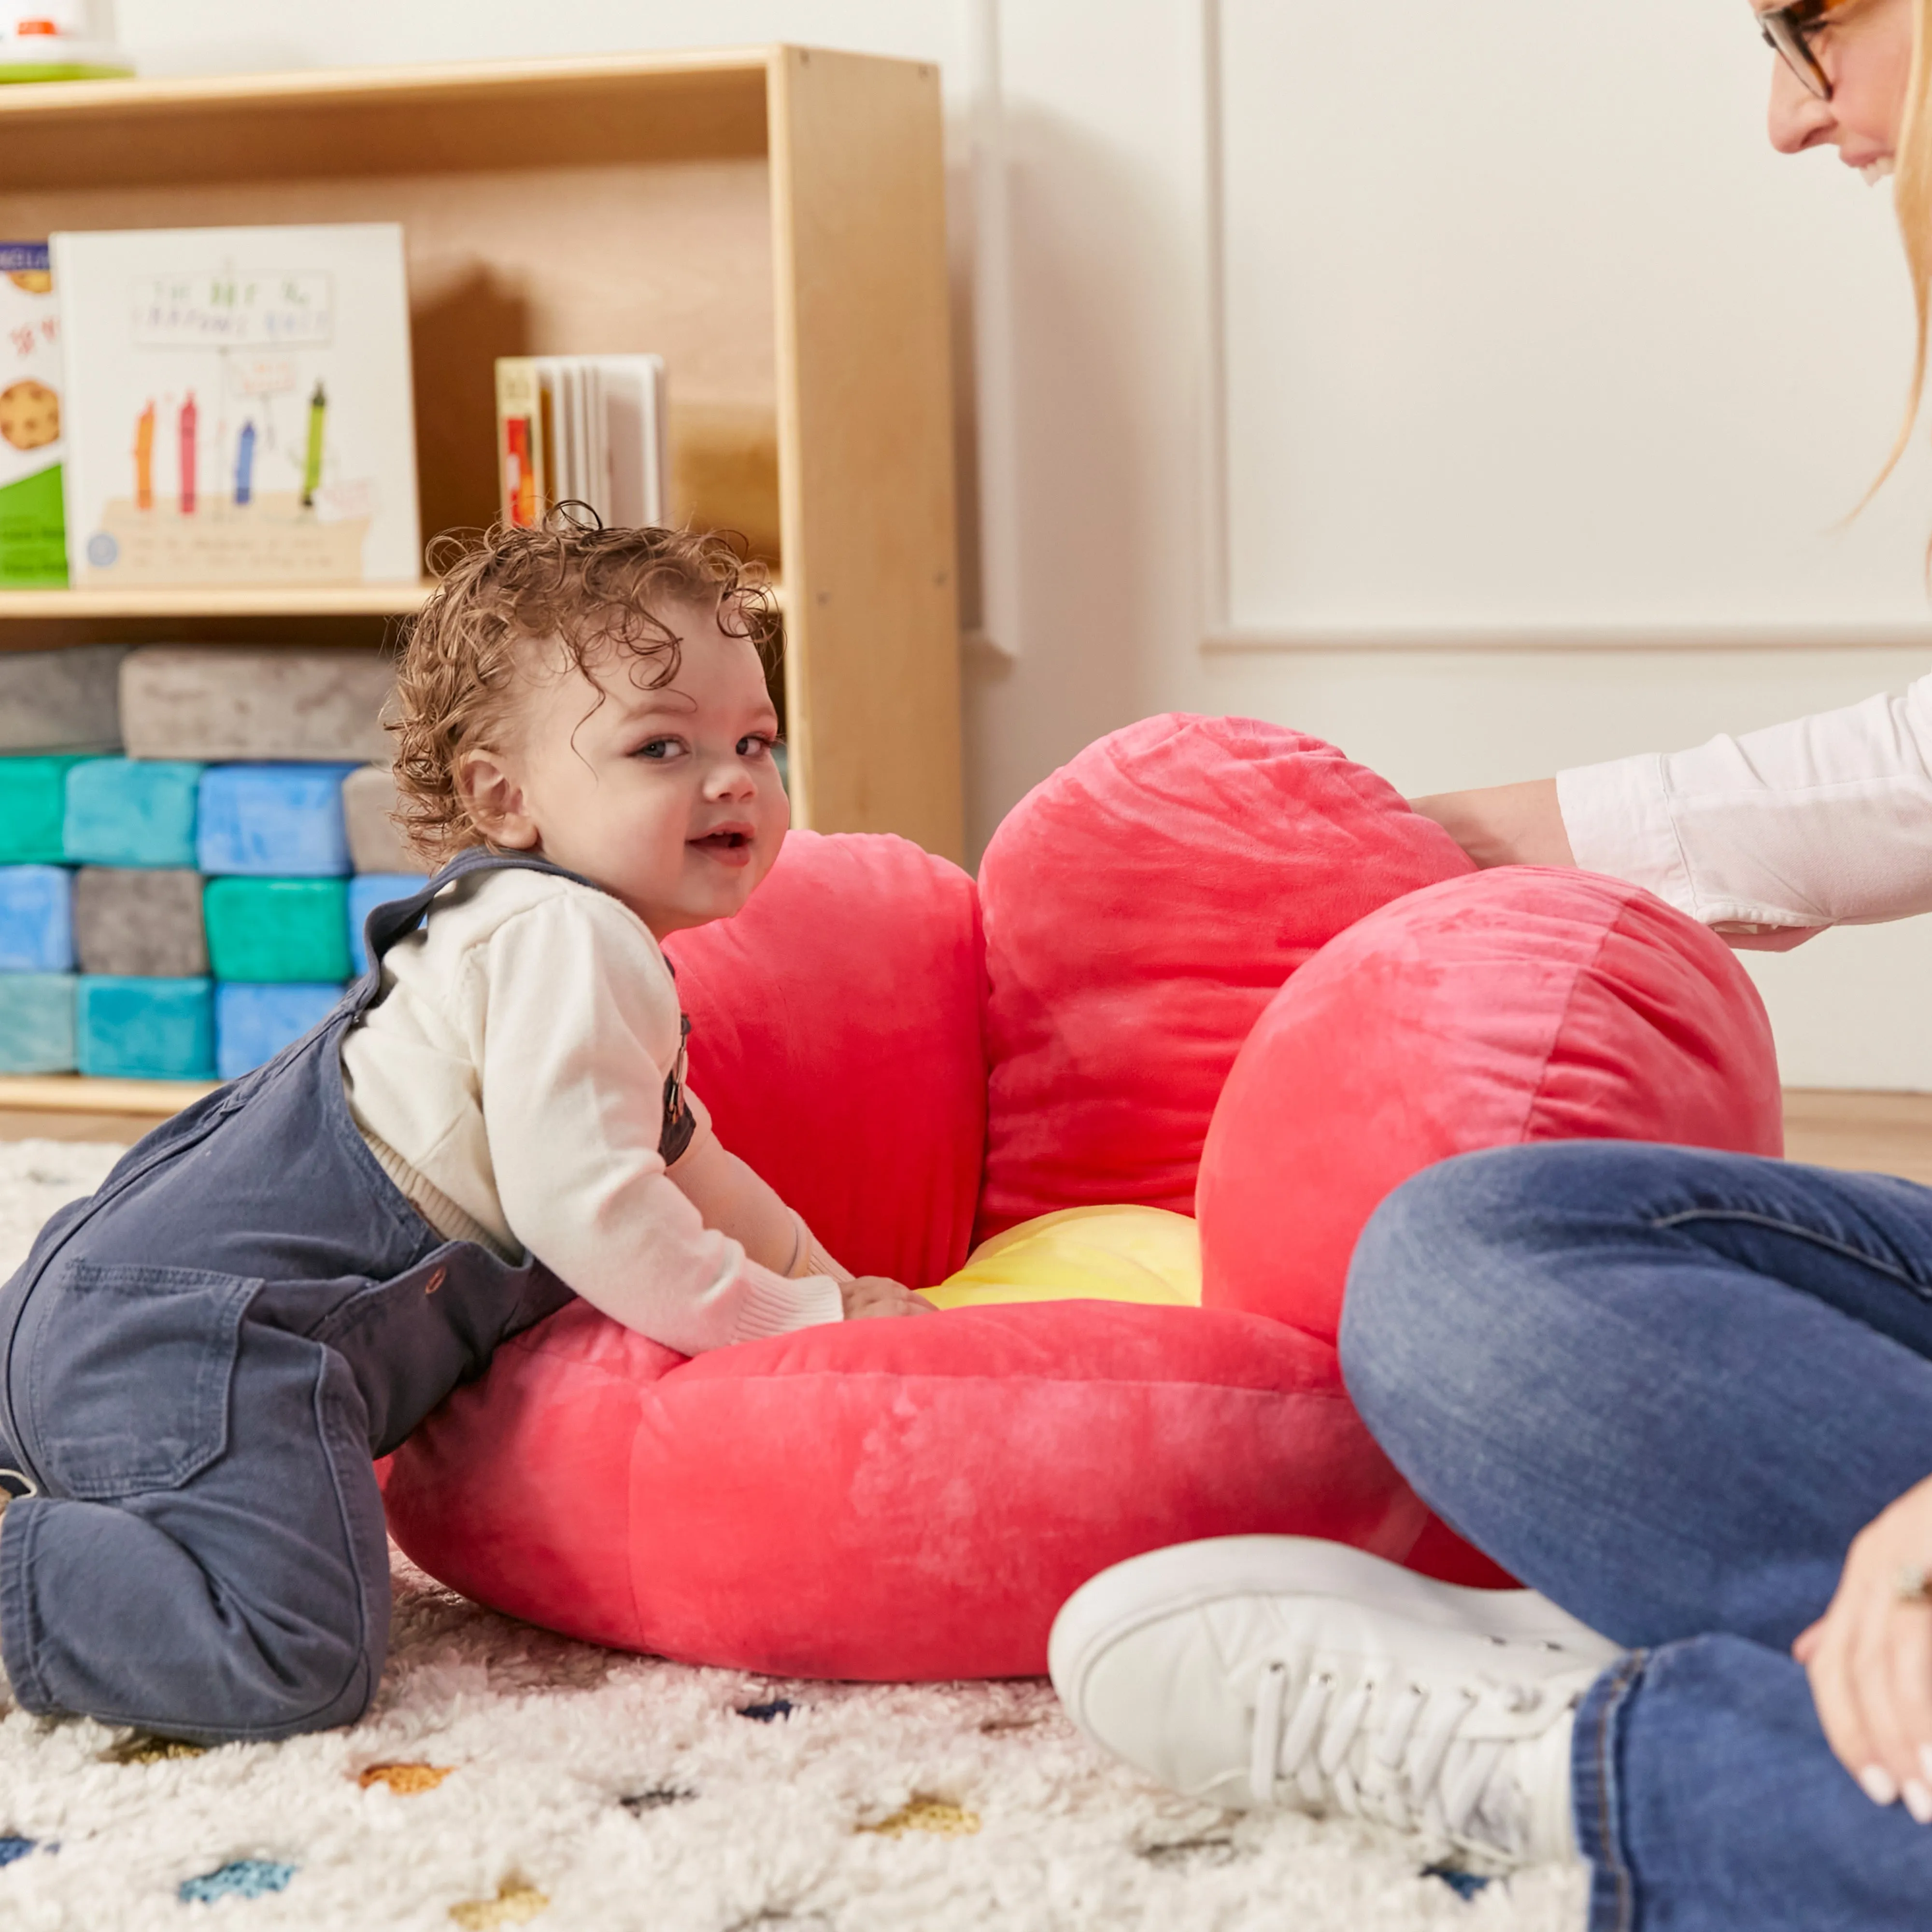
pixel 198 1362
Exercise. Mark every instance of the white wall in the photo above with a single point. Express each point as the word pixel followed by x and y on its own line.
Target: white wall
pixel 1330 348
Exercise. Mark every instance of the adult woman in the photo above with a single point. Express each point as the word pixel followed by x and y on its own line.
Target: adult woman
pixel 1669 1389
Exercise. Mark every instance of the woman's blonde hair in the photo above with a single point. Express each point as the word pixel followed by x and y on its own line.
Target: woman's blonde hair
pixel 1912 197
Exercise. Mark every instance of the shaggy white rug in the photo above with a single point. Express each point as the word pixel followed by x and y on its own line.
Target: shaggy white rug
pixel 507 1776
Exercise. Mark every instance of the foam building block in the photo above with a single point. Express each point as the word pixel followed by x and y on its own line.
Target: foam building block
pixel 366 891
pixel 134 924
pixel 37 1022
pixel 211 701
pixel 33 806
pixel 62 700
pixel 278 932
pixel 140 1029
pixel 253 1024
pixel 272 821
pixel 36 919
pixel 125 811
pixel 375 845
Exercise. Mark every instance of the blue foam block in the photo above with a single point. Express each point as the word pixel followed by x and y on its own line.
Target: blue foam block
pixel 36 919
pixel 366 891
pixel 130 812
pixel 37 1022
pixel 274 821
pixel 146 1029
pixel 254 1023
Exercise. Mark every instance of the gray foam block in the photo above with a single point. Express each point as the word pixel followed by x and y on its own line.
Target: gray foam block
pixel 146 923
pixel 210 702
pixel 375 845
pixel 62 700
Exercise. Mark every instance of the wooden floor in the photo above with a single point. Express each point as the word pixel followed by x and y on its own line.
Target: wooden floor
pixel 1888 1133
pixel 1884 1133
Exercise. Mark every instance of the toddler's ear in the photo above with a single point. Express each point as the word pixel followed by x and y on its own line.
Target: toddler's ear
pixel 495 800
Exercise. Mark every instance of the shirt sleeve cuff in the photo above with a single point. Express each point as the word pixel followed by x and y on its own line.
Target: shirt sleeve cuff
pixel 1618 818
pixel 773 1306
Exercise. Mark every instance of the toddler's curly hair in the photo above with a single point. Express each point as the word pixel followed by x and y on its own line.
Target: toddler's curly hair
pixel 597 591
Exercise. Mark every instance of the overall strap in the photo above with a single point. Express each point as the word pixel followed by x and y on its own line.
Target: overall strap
pixel 400 917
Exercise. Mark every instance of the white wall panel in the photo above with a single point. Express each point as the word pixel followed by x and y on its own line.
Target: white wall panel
pixel 1528 328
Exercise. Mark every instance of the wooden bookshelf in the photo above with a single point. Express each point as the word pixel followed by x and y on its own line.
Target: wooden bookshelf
pixel 770 219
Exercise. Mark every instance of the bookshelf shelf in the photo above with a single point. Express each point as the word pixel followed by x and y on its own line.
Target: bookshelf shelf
pixel 349 600
pixel 75 1093
pixel 770 219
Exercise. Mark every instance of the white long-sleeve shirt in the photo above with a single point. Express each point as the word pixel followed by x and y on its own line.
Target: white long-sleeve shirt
pixel 511 1081
pixel 1824 821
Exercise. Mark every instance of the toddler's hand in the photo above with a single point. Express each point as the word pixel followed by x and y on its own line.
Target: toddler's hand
pixel 873 1295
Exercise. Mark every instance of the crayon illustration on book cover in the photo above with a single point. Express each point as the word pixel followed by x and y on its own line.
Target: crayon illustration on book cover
pixel 239 406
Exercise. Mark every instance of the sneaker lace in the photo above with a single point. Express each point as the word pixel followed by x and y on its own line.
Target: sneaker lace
pixel 1392 1754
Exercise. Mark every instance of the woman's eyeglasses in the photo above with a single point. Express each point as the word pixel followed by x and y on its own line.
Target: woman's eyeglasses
pixel 1789 29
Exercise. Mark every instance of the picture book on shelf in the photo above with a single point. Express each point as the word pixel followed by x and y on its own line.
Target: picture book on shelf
pixel 585 429
pixel 33 546
pixel 238 406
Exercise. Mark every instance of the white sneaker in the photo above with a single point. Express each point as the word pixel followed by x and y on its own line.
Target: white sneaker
pixel 1260 1670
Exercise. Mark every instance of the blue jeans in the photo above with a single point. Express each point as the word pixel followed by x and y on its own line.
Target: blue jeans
pixel 1666 1387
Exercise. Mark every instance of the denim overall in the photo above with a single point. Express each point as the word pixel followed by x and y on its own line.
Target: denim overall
pixel 197 1364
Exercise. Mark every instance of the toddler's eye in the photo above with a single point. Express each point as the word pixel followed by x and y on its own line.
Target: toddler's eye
pixel 659 748
pixel 754 746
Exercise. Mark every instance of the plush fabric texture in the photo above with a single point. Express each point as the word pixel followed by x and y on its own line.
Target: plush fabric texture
pixel 1142 906
pixel 835 1037
pixel 1517 1005
pixel 905 1499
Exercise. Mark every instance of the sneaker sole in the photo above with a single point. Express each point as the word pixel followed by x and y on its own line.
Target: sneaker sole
pixel 1192 1575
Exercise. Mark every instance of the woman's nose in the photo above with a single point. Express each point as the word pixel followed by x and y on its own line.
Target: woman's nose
pixel 1799 119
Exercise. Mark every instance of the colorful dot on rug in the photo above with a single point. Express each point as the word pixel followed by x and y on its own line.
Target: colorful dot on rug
pixel 240 1878
pixel 926 1814
pixel 144 1748
pixel 12 1848
pixel 764 1713
pixel 405 1779
pixel 516 1901
pixel 658 1796
pixel 1464 1884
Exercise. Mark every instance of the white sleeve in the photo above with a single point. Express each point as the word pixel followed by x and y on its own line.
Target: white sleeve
pixel 1824 821
pixel 579 1028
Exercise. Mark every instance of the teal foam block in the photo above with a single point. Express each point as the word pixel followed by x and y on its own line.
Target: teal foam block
pixel 37 1022
pixel 33 801
pixel 129 811
pixel 36 919
pixel 366 891
pixel 272 821
pixel 144 1029
pixel 254 1023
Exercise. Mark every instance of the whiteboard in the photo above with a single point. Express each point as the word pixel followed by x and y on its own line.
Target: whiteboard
pixel 1527 329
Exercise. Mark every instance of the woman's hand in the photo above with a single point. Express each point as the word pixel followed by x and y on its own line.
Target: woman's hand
pixel 1869 1658
pixel 873 1295
pixel 1503 825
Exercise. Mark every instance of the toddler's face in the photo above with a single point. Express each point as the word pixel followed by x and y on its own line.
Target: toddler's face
pixel 668 798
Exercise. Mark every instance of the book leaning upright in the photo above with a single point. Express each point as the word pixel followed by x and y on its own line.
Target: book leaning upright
pixel 585 429
pixel 238 406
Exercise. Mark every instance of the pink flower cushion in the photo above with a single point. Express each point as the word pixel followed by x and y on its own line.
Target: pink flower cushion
pixel 914 1499
pixel 1516 1005
pixel 1142 906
